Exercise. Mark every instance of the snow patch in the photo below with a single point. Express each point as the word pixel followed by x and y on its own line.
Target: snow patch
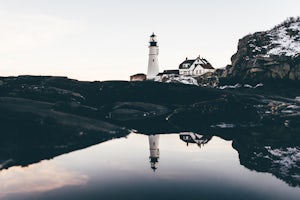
pixel 284 42
pixel 223 125
pixel 285 157
pixel 230 86
pixel 239 86
pixel 172 78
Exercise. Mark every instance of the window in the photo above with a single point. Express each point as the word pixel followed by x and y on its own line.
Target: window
pixel 186 65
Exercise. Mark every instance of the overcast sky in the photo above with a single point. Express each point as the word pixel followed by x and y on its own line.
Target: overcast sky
pixel 105 40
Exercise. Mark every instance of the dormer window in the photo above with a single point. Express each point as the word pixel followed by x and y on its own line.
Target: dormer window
pixel 186 65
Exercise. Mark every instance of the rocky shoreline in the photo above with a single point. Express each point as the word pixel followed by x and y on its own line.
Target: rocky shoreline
pixel 43 117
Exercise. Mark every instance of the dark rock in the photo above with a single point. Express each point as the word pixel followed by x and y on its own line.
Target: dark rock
pixel 230 110
pixel 124 111
pixel 209 79
pixel 261 56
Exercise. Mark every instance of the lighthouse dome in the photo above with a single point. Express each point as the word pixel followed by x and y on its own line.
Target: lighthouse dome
pixel 153 40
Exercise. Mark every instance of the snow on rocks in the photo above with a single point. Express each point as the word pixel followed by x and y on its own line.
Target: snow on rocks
pixel 239 86
pixel 282 40
pixel 285 159
pixel 172 78
pixel 285 40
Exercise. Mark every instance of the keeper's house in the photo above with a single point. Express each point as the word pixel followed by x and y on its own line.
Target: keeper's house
pixel 195 67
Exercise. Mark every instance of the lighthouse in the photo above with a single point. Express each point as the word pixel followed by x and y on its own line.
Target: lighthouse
pixel 154 151
pixel 153 68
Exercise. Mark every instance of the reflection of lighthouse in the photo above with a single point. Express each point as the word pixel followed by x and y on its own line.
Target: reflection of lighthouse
pixel 154 151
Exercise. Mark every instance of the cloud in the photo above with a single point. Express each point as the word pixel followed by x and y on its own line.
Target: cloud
pixel 41 177
pixel 29 31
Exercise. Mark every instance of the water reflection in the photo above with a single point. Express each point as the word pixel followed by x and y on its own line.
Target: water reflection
pixel 154 151
pixel 276 156
pixel 187 137
pixel 119 169
pixel 279 156
pixel 190 137
pixel 41 177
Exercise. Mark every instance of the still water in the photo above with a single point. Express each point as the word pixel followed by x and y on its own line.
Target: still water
pixel 145 167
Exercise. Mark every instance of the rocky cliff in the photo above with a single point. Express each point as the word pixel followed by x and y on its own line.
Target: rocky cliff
pixel 272 54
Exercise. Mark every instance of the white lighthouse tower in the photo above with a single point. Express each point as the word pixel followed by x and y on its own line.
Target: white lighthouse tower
pixel 154 151
pixel 153 68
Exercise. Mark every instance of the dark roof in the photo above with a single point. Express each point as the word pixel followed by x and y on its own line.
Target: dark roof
pixel 186 62
pixel 171 71
pixel 153 35
pixel 205 64
pixel 139 74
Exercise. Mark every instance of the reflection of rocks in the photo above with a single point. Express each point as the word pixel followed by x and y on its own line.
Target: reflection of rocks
pixel 31 131
pixel 280 158
pixel 285 163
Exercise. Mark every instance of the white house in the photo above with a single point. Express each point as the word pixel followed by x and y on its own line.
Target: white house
pixel 195 67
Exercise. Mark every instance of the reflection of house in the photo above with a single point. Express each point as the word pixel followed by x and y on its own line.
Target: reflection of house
pixel 154 151
pixel 195 67
pixel 194 138
pixel 138 77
